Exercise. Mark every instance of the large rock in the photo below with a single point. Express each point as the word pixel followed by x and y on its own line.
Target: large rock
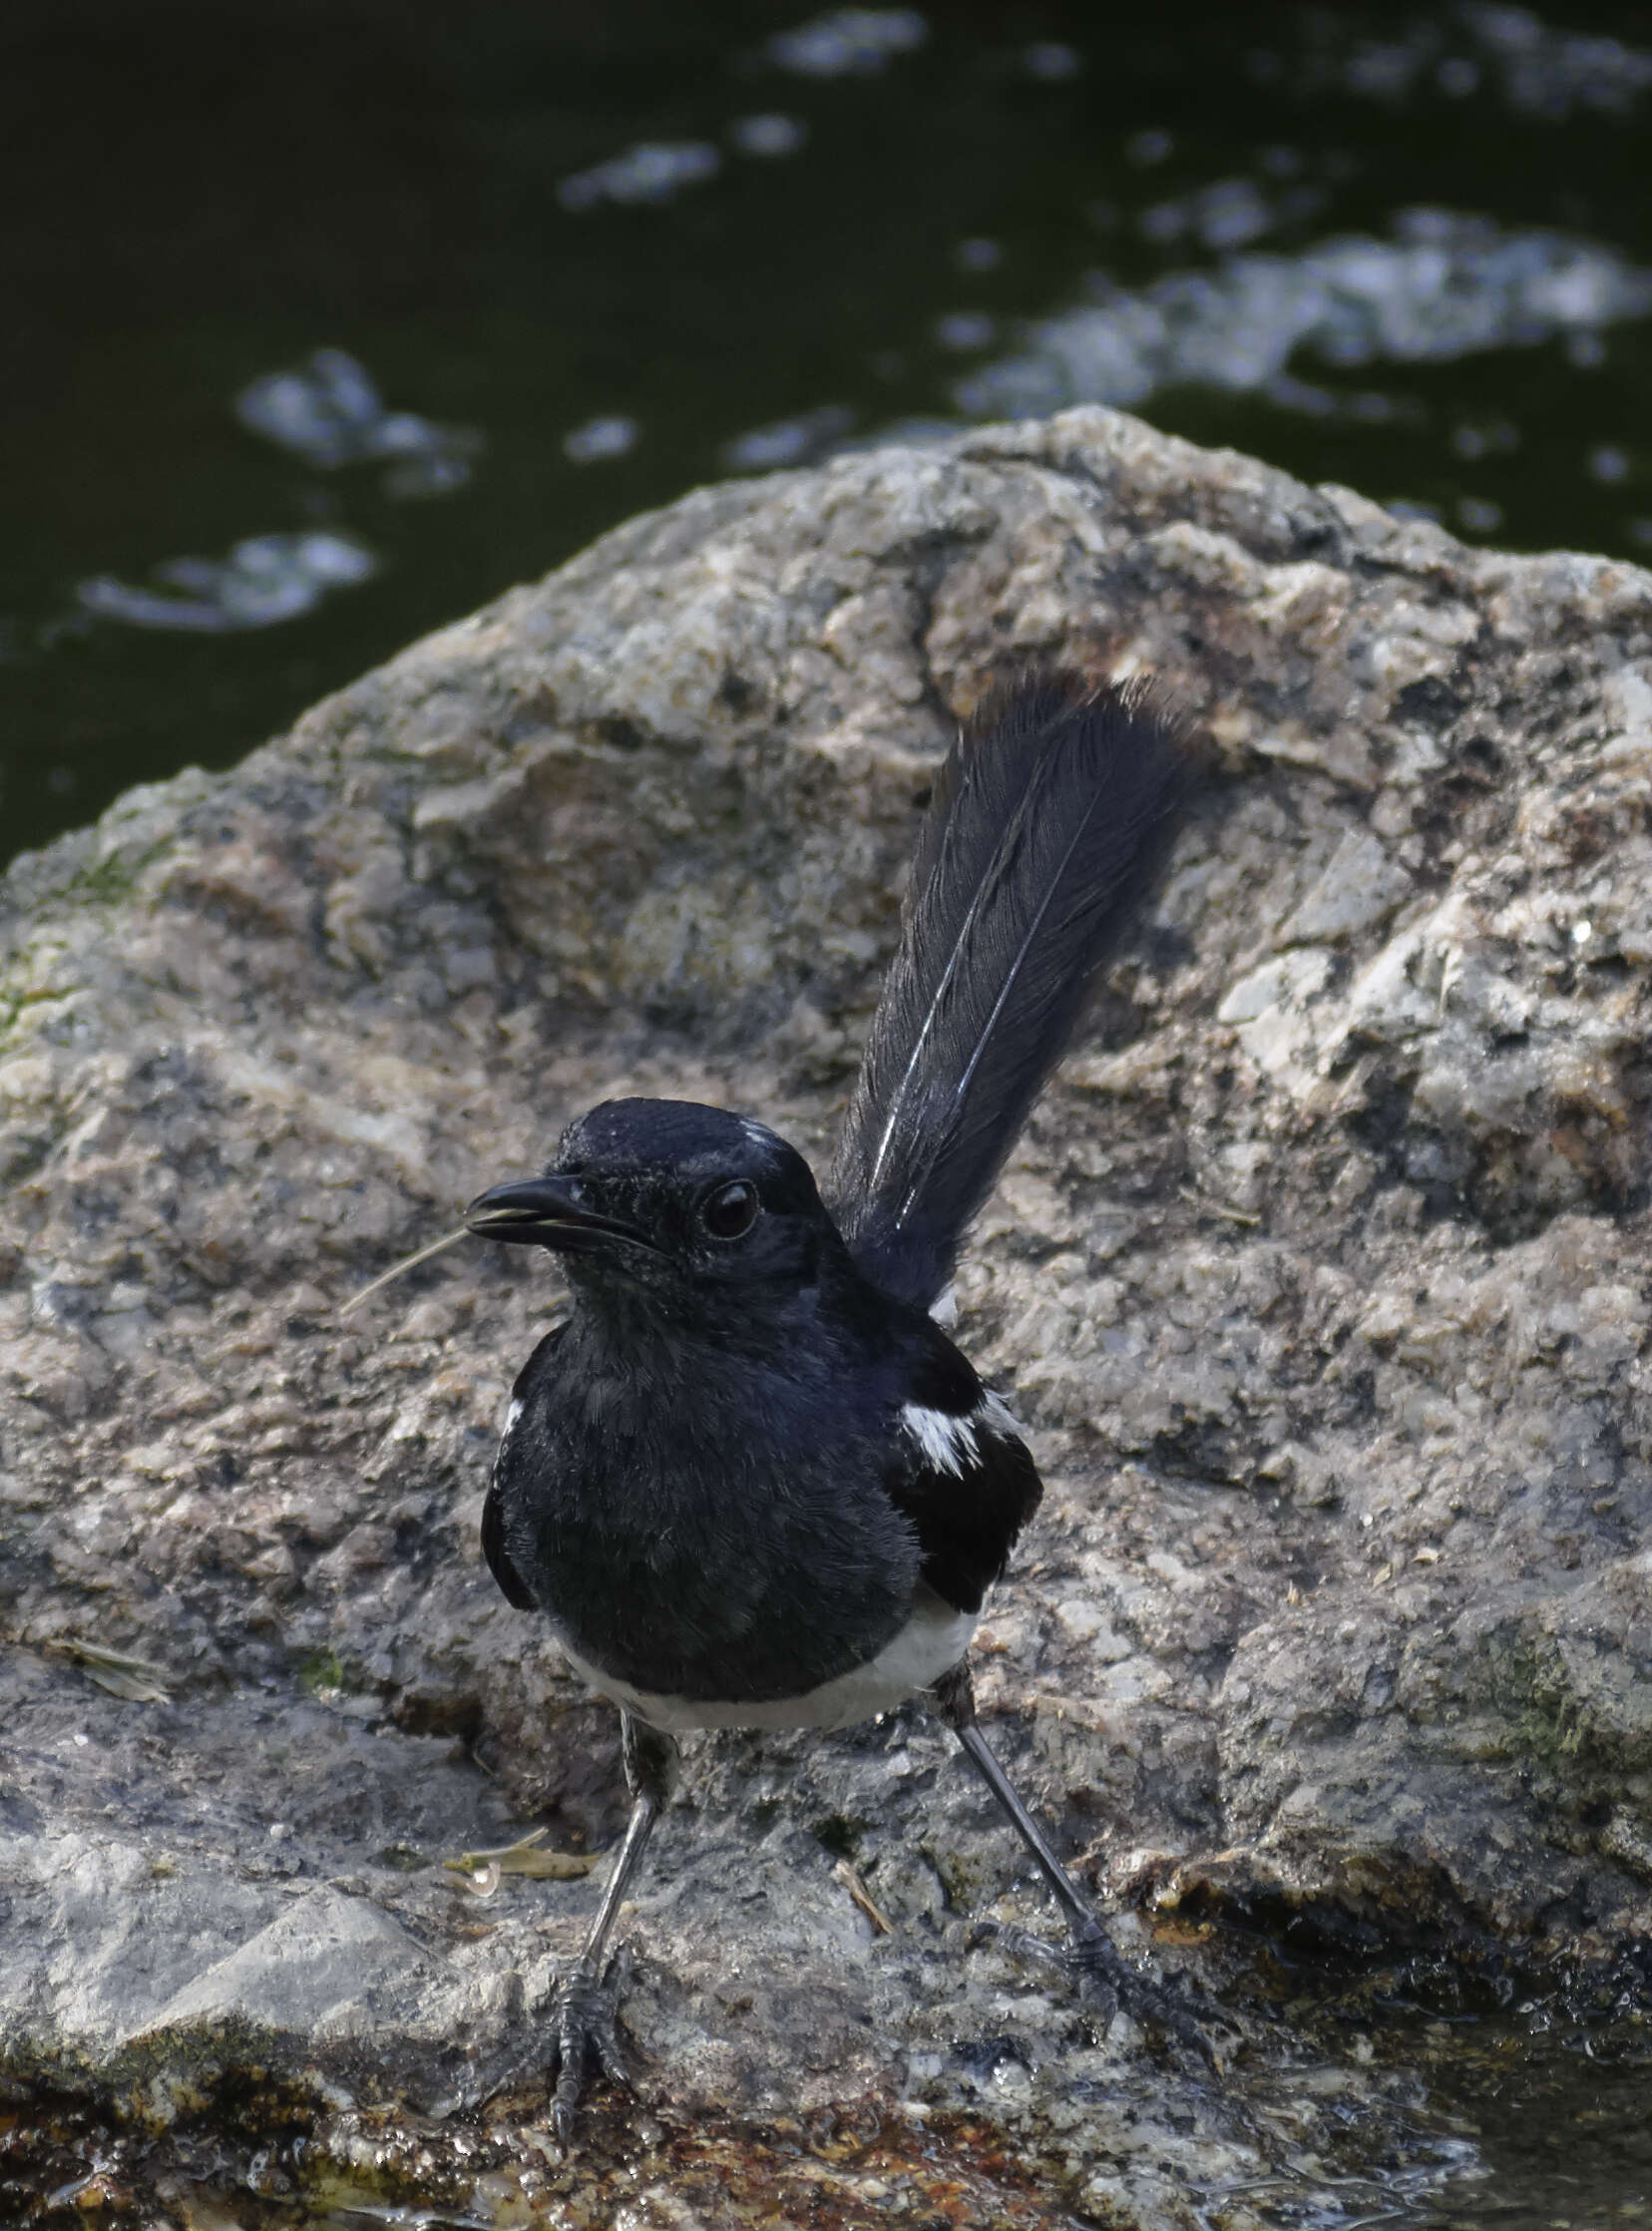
pixel 1320 1279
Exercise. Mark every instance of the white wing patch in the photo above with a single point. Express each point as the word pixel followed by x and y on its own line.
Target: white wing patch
pixel 948 1442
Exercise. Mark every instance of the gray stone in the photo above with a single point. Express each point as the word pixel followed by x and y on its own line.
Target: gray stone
pixel 1320 1281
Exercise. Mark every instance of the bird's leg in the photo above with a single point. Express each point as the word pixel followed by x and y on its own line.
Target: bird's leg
pixel 587 1998
pixel 1090 1957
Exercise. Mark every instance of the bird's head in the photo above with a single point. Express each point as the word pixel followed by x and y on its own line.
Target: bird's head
pixel 667 1203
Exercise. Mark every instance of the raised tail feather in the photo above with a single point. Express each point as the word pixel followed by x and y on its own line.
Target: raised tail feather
pixel 1045 827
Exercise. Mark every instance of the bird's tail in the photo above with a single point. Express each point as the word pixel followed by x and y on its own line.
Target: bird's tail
pixel 1045 827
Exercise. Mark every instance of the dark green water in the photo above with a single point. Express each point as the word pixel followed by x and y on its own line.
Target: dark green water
pixel 198 193
pixel 1561 2141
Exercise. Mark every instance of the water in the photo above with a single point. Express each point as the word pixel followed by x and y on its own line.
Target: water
pixel 1562 2141
pixel 1508 2127
pixel 322 324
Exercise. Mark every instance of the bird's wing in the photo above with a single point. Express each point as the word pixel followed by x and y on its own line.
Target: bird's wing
pixel 493 1548
pixel 963 1477
pixel 511 1583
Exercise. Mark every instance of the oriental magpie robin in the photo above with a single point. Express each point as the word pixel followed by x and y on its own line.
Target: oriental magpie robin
pixel 750 1482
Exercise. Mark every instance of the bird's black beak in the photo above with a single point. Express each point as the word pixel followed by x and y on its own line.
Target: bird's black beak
pixel 548 1212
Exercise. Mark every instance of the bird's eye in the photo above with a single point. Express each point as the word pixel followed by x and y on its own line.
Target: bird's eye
pixel 731 1210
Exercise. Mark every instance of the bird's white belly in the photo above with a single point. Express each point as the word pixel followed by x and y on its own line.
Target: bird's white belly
pixel 933 1640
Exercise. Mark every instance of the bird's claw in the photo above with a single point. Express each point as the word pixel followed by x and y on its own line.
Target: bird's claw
pixel 1093 1963
pixel 586 2011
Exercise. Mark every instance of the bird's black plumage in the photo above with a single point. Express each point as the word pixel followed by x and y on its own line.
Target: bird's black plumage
pixel 751 1480
pixel 511 1587
pixel 711 1479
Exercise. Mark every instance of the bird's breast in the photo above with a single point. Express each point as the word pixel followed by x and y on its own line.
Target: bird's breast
pixel 728 1550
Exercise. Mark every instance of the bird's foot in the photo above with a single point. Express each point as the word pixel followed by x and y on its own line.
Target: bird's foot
pixel 584 2026
pixel 1093 1963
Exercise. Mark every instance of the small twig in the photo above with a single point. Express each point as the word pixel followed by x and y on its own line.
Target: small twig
pixel 846 1875
pixel 133 1678
pixel 481 1873
pixel 398 1270
pixel 1217 1207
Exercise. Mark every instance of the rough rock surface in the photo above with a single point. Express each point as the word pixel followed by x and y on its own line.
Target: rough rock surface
pixel 1320 1280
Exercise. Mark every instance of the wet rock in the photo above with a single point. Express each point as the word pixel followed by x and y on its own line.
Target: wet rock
pixel 1318 1280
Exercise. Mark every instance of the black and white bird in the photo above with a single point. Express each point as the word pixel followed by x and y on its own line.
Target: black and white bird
pixel 750 1482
